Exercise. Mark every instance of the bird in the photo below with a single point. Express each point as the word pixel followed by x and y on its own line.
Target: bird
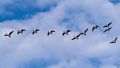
pixel 63 33
pixel 79 34
pixel 9 34
pixel 107 25
pixel 18 32
pixel 21 31
pixel 35 31
pixel 108 29
pixel 114 41
pixel 50 32
pixel 66 32
pixel 75 37
pixel 94 27
pixel 85 31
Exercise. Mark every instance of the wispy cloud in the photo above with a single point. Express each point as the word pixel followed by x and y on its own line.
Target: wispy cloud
pixel 57 51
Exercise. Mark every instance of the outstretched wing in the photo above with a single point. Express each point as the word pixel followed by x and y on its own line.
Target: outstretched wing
pixel 86 30
pixel 116 39
pixel 68 31
pixel 109 23
pixel 11 32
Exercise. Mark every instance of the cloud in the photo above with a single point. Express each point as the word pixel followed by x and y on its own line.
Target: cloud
pixel 56 51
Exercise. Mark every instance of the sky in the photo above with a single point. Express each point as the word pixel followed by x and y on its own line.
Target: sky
pixel 57 51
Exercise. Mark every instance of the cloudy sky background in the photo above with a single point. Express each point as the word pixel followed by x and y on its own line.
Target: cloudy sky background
pixel 56 51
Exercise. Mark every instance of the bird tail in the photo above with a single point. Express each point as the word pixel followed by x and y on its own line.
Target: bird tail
pixel 84 33
pixel 9 36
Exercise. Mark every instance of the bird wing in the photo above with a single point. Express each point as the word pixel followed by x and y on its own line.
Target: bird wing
pixel 11 32
pixel 52 31
pixel 23 30
pixel 116 39
pixel 109 23
pixel 63 33
pixel 6 35
pixel 86 30
pixel 68 31
pixel 109 28
pixel 93 28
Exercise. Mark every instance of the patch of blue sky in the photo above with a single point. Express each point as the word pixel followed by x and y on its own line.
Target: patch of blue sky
pixel 95 62
pixel 38 64
pixel 22 10
pixel 115 1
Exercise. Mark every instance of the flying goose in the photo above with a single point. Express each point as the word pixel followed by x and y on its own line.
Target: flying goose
pixel 35 31
pixel 114 41
pixel 50 32
pixel 9 34
pixel 21 31
pixel 75 37
pixel 108 29
pixel 107 25
pixel 66 32
pixel 85 31
pixel 94 27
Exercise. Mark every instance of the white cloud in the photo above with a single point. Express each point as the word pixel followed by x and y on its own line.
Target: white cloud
pixel 70 54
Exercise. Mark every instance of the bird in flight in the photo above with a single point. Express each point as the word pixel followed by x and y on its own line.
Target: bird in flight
pixel 84 33
pixel 9 34
pixel 75 37
pixel 114 41
pixel 50 32
pixel 107 25
pixel 94 27
pixel 66 32
pixel 35 31
pixel 108 29
pixel 21 31
pixel 79 35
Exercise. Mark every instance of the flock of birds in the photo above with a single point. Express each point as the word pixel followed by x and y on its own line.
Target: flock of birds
pixel 107 28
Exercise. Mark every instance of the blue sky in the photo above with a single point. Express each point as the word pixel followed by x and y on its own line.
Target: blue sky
pixel 40 51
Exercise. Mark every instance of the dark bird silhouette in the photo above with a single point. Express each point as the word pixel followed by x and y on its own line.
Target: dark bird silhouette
pixel 107 25
pixel 79 35
pixel 63 33
pixel 9 34
pixel 75 37
pixel 21 31
pixel 108 29
pixel 50 32
pixel 85 31
pixel 18 32
pixel 35 31
pixel 114 41
pixel 94 27
pixel 66 32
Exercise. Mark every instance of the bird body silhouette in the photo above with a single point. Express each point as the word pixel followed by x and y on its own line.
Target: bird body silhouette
pixel 94 27
pixel 35 31
pixel 107 25
pixel 50 32
pixel 114 41
pixel 84 33
pixel 21 31
pixel 108 29
pixel 9 34
pixel 66 32
pixel 75 37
